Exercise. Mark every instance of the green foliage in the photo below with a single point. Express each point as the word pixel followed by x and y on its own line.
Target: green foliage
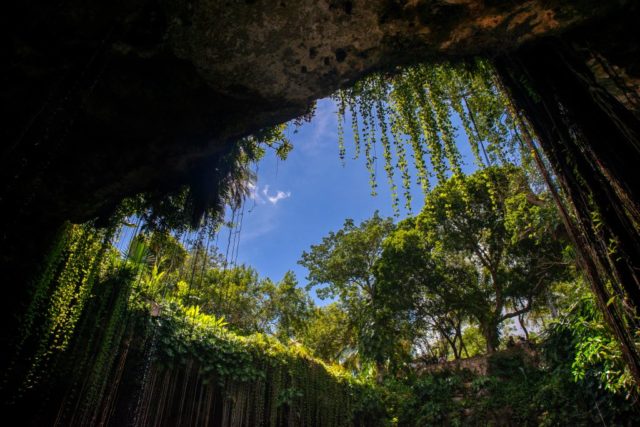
pixel 89 364
pixel 118 294
pixel 431 400
pixel 581 343
pixel 248 303
pixel 474 341
pixel 343 262
pixel 330 337
pixel 290 308
pixel 228 359
pixel 516 391
pixel 235 293
pixel 78 268
pixel 343 266
pixel 482 249
pixel 42 286
pixel 417 107
pixel 269 138
pixel 222 180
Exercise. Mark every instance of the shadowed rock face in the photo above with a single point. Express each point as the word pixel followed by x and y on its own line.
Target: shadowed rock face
pixel 299 51
pixel 107 99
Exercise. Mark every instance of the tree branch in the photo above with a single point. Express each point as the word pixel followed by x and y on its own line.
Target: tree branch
pixel 523 310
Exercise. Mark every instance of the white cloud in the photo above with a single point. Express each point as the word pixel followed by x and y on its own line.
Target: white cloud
pixel 253 193
pixel 260 222
pixel 262 197
pixel 280 195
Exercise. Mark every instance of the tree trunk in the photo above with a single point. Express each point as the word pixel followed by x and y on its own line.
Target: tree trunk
pixel 461 346
pixel 491 336
pixel 523 326
pixel 451 341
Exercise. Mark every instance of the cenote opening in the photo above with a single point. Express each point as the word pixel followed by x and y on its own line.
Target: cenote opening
pixel 321 213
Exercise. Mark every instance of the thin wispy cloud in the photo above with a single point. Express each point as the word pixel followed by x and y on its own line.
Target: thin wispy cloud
pixel 263 196
pixel 260 222
pixel 280 195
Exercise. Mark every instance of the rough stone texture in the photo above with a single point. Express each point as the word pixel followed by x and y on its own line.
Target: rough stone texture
pixel 482 364
pixel 298 51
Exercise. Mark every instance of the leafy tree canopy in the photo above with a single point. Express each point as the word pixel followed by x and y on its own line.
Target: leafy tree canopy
pixel 485 246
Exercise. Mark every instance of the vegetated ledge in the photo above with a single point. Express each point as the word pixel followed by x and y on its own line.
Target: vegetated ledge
pixel 484 364
pixel 184 367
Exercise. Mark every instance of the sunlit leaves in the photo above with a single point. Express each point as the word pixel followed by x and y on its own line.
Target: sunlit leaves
pixel 420 107
pixel 292 381
pixel 581 340
pixel 483 248
pixel 342 267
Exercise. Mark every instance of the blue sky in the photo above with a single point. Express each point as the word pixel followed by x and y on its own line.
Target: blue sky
pixel 298 201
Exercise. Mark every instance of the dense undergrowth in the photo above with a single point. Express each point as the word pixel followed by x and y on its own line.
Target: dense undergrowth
pixel 512 393
pixel 574 377
pixel 177 353
pixel 558 383
pixel 72 370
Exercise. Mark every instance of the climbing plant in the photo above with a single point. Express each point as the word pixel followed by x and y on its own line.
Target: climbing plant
pixel 67 282
pixel 199 353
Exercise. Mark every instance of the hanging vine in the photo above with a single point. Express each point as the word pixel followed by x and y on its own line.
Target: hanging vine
pixel 422 106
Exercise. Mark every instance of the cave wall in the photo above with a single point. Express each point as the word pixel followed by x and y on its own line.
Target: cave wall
pixel 107 99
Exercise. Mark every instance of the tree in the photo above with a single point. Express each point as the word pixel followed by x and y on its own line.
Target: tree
pixel 237 293
pixel 343 264
pixel 490 248
pixel 290 308
pixel 329 335
pixel 421 293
